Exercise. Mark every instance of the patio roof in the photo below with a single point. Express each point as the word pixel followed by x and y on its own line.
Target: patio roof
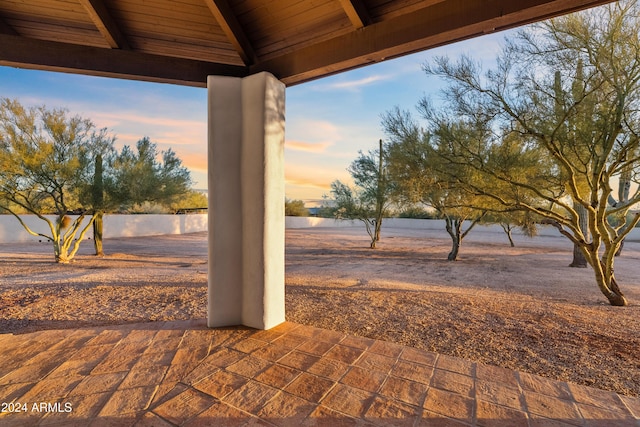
pixel 184 41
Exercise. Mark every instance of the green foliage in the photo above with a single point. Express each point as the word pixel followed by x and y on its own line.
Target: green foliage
pixel 417 165
pixel 347 204
pixel 327 208
pixel 52 163
pixel 370 201
pixel 417 212
pixel 550 128
pixel 44 161
pixel 295 208
pixel 139 176
pixel 192 200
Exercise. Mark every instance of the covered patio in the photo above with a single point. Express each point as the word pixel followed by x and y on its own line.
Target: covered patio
pixel 244 364
pixel 245 53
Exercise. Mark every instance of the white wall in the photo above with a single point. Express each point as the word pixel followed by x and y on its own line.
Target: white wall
pixel 307 222
pixel 149 225
pixel 417 224
pixel 114 226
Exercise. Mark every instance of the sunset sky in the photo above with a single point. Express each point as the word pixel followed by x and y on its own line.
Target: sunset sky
pixel 328 120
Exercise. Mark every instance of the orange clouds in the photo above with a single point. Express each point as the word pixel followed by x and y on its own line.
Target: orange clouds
pixel 309 147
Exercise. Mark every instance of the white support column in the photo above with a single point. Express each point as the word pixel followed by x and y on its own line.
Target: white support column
pixel 246 201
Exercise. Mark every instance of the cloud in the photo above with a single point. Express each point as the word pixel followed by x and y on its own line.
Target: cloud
pixel 311 181
pixel 114 119
pixel 194 161
pixel 309 147
pixel 186 137
pixel 312 136
pixel 324 128
pixel 356 84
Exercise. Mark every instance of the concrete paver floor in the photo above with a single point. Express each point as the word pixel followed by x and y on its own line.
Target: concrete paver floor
pixel 184 374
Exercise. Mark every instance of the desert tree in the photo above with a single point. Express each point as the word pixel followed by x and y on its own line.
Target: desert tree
pixel 295 208
pixel 348 205
pixel 146 175
pixel 511 221
pixel 415 166
pixel 585 122
pixel 370 200
pixel 44 161
pixel 193 199
pixel 125 181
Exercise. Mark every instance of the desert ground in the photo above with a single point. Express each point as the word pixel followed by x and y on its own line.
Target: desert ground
pixel 522 308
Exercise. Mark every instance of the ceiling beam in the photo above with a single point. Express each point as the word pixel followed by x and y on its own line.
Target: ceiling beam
pixel 24 52
pixel 104 22
pixel 228 21
pixel 439 24
pixel 6 28
pixel 357 12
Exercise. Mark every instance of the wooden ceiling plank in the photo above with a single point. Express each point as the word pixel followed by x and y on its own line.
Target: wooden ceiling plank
pixel 357 12
pixel 16 51
pixel 6 28
pixel 203 53
pixel 107 26
pixel 305 53
pixel 443 23
pixel 230 25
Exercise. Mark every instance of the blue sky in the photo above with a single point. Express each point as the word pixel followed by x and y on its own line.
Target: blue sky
pixel 328 120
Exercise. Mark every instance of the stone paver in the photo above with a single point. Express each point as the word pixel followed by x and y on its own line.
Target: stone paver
pixel 181 373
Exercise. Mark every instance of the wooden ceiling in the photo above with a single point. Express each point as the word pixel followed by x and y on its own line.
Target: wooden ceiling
pixel 183 41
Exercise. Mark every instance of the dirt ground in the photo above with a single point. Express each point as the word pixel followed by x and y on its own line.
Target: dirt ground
pixel 520 308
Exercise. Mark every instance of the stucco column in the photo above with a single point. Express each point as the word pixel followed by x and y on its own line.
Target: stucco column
pixel 246 201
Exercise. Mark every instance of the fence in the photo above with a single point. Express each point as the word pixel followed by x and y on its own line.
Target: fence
pixel 114 226
pixel 149 225
pixel 418 224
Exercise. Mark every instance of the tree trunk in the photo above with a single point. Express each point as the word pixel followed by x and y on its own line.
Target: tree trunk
pixel 455 248
pixel 97 234
pixel 378 226
pixel 510 237
pixel 371 232
pixel 616 298
pixel 605 279
pixel 611 290
pixel 380 196
pixel 508 231
pixel 454 229
pixel 59 249
pixel 579 260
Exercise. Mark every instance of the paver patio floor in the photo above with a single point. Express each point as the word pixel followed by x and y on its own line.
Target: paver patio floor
pixel 182 373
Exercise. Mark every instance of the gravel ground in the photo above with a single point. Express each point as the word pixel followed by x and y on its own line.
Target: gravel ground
pixel 521 308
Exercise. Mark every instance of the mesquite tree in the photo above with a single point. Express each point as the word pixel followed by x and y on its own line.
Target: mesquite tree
pixel 146 175
pixel 43 161
pixel 415 161
pixel 369 203
pixel 586 124
pixel 52 163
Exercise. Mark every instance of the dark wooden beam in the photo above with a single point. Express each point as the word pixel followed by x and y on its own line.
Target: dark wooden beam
pixel 442 23
pixel 23 52
pixel 6 28
pixel 105 24
pixel 228 21
pixel 357 12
